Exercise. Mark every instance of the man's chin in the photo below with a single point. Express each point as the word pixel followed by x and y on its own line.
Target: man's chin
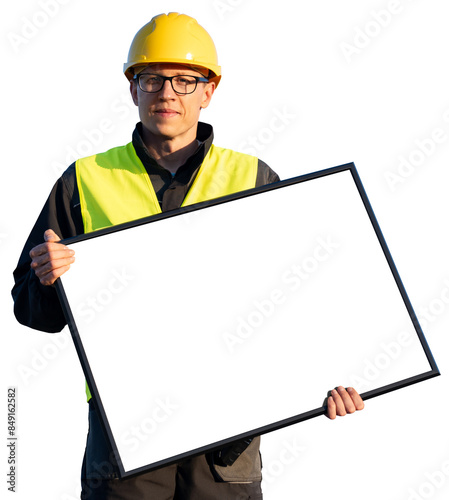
pixel 161 132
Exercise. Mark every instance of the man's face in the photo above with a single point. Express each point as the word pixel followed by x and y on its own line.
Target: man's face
pixel 166 114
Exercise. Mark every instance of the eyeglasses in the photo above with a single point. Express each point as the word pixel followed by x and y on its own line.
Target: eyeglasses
pixel 181 84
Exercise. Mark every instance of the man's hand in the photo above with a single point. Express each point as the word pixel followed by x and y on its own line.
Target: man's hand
pixel 50 260
pixel 343 401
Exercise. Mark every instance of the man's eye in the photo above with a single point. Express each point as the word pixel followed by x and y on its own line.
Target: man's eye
pixel 184 80
pixel 150 79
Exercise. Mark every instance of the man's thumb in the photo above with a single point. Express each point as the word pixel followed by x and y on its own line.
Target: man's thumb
pixel 50 235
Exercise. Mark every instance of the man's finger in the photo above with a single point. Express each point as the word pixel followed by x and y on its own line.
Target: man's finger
pixel 51 259
pixel 49 237
pixel 51 252
pixel 347 401
pixel 356 399
pixel 42 268
pixel 47 248
pixel 331 408
pixel 340 405
pixel 50 277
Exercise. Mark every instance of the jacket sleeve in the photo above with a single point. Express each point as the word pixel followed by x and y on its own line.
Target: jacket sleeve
pixel 265 175
pixel 35 305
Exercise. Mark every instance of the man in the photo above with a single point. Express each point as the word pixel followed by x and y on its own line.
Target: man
pixel 173 72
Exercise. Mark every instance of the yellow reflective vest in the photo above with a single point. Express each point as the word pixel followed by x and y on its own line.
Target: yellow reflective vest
pixel 114 187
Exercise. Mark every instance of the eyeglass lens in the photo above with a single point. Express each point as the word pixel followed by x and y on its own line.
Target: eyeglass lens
pixel 182 84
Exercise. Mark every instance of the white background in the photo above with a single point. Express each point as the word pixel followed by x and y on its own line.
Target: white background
pixel 372 104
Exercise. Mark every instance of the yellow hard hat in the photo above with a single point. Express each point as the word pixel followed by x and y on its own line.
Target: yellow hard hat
pixel 173 38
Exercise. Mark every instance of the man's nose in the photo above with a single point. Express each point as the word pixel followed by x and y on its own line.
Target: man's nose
pixel 166 90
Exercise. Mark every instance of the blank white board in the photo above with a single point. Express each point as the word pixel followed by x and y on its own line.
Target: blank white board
pixel 232 318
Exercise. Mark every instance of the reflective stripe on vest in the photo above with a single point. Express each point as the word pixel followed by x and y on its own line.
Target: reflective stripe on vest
pixel 114 186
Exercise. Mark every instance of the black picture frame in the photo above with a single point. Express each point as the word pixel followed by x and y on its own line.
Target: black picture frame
pixel 65 300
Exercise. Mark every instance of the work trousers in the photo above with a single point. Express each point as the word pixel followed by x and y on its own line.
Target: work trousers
pixel 192 479
pixel 189 480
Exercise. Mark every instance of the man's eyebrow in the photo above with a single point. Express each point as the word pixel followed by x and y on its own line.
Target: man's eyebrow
pixel 181 73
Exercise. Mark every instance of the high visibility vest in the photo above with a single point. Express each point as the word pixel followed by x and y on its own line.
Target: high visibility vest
pixel 114 186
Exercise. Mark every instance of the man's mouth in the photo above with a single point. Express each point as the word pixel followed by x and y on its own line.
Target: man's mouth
pixel 166 113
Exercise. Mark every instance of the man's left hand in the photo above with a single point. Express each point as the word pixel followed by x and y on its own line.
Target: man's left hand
pixel 343 401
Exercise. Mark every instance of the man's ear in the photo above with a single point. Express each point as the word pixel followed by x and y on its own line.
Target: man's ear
pixel 207 95
pixel 133 90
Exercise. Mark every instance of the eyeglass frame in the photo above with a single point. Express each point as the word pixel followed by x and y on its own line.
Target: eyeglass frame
pixel 198 79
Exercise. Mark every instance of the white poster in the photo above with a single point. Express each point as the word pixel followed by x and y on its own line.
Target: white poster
pixel 190 312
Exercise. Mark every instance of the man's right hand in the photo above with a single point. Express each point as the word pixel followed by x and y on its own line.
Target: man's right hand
pixel 51 259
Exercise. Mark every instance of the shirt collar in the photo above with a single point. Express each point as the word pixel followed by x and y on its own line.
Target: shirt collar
pixel 204 135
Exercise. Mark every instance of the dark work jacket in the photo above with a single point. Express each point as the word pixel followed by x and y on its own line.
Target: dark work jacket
pixel 38 307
